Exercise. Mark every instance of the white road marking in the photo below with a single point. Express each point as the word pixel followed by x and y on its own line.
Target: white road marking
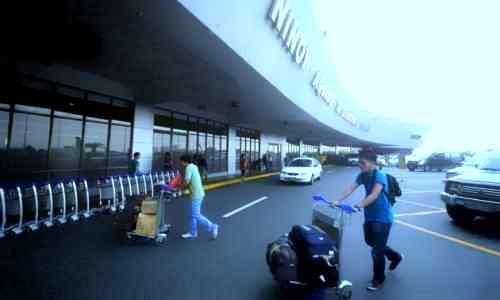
pixel 421 213
pixel 231 213
pixel 420 204
pixel 421 192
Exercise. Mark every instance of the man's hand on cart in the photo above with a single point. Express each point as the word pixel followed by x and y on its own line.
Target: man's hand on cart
pixel 344 207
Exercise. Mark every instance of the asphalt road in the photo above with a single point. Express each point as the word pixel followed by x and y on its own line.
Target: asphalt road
pixel 93 260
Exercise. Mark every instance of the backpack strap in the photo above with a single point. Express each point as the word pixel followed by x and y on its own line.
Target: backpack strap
pixel 383 187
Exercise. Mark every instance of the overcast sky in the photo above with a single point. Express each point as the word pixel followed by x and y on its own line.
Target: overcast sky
pixel 431 61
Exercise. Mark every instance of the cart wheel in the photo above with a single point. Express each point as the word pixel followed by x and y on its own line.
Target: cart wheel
pixel 159 240
pixel 345 293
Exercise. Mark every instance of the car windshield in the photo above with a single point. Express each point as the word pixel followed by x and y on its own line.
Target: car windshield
pixel 301 163
pixel 491 163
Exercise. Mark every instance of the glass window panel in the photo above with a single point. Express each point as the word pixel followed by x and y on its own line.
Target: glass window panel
pixel 94 148
pixel 161 146
pixel 209 153
pixel 4 128
pixel 67 115
pixel 65 146
pixel 192 142
pixel 202 140
pixel 32 109
pixel 119 148
pixel 124 123
pixel 4 106
pixel 179 146
pixel 29 146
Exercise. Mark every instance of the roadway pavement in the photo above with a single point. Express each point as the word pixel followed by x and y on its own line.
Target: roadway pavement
pixel 93 260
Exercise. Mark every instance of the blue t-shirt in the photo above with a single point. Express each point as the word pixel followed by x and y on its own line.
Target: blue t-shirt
pixel 380 210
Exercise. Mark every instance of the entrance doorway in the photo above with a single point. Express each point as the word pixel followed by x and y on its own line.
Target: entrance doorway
pixel 274 157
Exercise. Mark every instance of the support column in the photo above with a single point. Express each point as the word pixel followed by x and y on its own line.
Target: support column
pixel 142 135
pixel 402 160
pixel 301 147
pixel 231 151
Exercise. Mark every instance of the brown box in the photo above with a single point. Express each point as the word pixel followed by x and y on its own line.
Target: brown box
pixel 146 225
pixel 149 207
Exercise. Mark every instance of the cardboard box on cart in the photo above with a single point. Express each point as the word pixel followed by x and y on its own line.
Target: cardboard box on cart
pixel 146 225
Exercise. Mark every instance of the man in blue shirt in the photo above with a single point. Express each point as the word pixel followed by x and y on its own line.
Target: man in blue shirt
pixel 378 215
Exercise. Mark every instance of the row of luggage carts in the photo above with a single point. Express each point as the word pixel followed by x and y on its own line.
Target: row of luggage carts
pixel 30 206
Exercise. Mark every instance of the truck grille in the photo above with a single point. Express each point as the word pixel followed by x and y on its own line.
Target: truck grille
pixel 479 192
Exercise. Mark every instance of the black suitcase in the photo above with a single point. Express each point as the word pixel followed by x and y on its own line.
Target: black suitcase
pixel 282 260
pixel 316 254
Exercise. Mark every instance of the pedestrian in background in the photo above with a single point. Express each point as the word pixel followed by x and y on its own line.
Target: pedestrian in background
pixel 243 164
pixel 378 216
pixel 265 162
pixel 133 164
pixel 168 164
pixel 192 181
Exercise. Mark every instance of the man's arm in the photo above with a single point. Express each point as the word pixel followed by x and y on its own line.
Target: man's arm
pixel 377 189
pixel 347 192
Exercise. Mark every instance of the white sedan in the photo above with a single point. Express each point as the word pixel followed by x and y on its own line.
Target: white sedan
pixel 302 169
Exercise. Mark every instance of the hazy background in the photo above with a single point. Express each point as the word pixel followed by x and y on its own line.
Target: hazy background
pixel 433 62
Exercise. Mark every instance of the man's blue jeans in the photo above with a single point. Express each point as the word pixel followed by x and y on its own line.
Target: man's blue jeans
pixel 376 236
pixel 197 217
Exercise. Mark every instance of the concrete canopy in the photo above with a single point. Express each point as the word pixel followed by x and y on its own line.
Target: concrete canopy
pixel 177 51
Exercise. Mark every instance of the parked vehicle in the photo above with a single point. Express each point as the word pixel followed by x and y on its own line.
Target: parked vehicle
pixel 470 164
pixel 302 169
pixel 476 193
pixel 436 161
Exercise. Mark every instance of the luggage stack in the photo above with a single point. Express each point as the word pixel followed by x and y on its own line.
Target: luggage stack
pixel 150 221
pixel 306 262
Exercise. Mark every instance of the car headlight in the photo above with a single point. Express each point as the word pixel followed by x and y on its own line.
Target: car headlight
pixel 454 187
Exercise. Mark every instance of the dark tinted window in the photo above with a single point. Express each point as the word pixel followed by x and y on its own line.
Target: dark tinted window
pixel 119 148
pixel 491 162
pixel 29 145
pixel 64 158
pixel 95 148
pixel 301 163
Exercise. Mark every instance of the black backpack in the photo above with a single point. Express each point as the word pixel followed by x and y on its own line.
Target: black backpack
pixel 393 187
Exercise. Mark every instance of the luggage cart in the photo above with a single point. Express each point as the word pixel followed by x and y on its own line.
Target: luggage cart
pixel 72 207
pixel 107 194
pixel 59 197
pixel 45 205
pixel 150 184
pixel 14 210
pixel 84 198
pixel 332 220
pixel 121 193
pixel 3 215
pixel 128 186
pixel 30 207
pixel 162 228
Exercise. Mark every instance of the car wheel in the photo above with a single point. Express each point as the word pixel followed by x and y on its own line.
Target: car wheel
pixel 411 169
pixel 459 215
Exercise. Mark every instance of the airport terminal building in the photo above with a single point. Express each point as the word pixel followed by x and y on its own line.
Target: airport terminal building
pixel 87 83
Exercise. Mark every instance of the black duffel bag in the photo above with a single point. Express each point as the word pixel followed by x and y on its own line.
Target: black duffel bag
pixel 282 260
pixel 316 255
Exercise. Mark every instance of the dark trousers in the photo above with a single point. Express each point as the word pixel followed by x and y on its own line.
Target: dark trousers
pixel 376 236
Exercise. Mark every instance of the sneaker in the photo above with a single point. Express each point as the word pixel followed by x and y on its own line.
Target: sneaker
pixel 188 236
pixel 373 286
pixel 215 232
pixel 394 264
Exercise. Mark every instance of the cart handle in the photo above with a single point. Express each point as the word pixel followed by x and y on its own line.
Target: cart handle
pixel 344 207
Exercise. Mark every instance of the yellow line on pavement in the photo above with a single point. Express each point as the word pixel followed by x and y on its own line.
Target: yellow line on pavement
pixel 450 238
pixel 216 185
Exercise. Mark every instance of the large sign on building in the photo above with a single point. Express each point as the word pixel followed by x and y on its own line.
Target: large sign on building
pixel 289 30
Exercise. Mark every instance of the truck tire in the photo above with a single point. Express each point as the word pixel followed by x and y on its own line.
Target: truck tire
pixel 411 169
pixel 460 215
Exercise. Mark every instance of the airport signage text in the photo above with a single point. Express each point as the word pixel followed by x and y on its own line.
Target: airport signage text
pixel 288 28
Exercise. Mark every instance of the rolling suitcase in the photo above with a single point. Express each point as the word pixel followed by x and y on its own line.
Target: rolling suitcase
pixel 316 253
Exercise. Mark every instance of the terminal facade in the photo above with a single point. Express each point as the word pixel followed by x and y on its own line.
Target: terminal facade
pixel 99 80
